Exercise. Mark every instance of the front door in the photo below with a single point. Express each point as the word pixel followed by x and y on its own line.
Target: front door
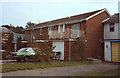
pixel 107 52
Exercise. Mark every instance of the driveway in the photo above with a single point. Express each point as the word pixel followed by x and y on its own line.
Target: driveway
pixel 65 71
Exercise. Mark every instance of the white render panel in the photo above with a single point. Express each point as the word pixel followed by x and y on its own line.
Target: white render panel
pixel 111 35
pixel 59 47
pixel 107 51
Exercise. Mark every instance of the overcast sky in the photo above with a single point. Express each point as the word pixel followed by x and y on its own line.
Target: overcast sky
pixel 18 13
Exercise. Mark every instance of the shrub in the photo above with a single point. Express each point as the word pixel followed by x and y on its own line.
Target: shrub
pixel 80 46
pixel 5 55
pixel 43 52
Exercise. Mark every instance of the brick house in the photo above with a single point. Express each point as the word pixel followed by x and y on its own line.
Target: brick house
pixel 64 31
pixel 112 38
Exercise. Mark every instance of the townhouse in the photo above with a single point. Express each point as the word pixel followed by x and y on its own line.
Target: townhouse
pixel 112 38
pixel 64 31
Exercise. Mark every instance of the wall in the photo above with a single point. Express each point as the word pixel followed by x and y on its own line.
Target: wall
pixel 111 35
pixel 94 36
pixel 66 50
pixel 44 35
pixel 74 53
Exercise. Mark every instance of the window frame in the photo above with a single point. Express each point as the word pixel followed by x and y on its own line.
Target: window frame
pixel 61 28
pixel 111 26
pixel 41 31
pixel 75 30
pixel 50 29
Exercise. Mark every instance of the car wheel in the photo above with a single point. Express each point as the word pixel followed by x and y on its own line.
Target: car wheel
pixel 26 59
pixel 19 60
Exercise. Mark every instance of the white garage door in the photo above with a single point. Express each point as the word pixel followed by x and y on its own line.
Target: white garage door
pixel 59 48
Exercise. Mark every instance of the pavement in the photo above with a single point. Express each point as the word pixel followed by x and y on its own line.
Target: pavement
pixel 7 61
pixel 65 71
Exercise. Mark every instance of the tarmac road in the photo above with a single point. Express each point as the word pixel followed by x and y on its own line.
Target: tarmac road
pixel 65 71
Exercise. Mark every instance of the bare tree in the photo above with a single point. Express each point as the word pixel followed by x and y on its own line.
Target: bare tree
pixel 80 45
pixel 30 24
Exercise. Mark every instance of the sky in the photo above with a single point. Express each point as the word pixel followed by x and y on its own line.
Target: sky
pixel 18 13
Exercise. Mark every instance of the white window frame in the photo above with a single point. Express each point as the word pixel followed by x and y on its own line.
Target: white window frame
pixel 50 29
pixel 61 28
pixel 75 30
pixel 41 31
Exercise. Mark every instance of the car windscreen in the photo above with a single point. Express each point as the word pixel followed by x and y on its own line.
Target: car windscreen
pixel 22 50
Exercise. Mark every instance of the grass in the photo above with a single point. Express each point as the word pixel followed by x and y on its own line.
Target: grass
pixel 113 72
pixel 8 67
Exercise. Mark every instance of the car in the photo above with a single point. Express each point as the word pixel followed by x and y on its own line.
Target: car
pixel 24 54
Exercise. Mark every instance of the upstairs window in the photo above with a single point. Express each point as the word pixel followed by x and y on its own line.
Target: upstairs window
pixel 50 29
pixel 41 31
pixel 112 27
pixel 75 30
pixel 61 28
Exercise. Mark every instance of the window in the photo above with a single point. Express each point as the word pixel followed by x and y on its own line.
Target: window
pixel 22 50
pixel 50 29
pixel 112 27
pixel 41 31
pixel 32 35
pixel 61 28
pixel 75 30
pixel 30 50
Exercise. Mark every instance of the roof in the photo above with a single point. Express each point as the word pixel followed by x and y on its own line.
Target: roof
pixel 79 17
pixel 4 29
pixel 114 18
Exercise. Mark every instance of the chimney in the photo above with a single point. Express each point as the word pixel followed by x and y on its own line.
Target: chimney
pixel 10 25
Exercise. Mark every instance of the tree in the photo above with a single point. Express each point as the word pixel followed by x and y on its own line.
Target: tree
pixel 19 44
pixel 9 44
pixel 7 26
pixel 80 46
pixel 43 51
pixel 29 24
pixel 17 29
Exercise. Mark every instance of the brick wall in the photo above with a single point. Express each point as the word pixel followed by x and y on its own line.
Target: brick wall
pixel 44 35
pixel 94 34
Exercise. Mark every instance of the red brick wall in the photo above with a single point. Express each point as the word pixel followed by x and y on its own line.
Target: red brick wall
pixel 44 35
pixel 74 54
pixel 66 50
pixel 94 34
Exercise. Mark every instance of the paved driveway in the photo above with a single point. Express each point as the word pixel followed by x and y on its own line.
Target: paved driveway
pixel 65 71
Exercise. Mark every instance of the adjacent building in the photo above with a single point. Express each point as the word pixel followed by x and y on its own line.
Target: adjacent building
pixel 23 40
pixel 112 38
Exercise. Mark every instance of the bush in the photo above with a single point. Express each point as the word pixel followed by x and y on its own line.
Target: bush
pixel 6 55
pixel 43 52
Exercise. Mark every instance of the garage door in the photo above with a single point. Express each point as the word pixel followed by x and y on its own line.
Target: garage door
pixel 116 52
pixel 59 47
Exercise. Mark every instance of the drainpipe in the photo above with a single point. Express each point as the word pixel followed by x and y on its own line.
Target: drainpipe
pixel 15 47
pixel 69 51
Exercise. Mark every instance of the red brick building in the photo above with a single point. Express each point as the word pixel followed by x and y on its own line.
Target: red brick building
pixel 64 31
